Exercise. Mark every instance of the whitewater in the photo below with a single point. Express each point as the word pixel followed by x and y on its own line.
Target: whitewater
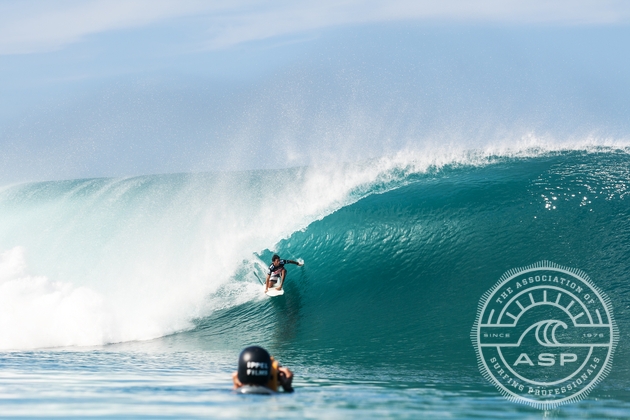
pixel 152 279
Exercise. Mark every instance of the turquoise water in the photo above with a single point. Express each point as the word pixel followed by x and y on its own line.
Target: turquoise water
pixel 133 297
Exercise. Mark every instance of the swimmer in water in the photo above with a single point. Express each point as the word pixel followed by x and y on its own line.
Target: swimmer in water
pixel 259 373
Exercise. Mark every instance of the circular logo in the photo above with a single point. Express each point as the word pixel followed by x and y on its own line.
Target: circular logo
pixel 544 335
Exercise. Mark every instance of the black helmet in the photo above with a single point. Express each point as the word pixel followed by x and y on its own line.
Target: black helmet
pixel 254 366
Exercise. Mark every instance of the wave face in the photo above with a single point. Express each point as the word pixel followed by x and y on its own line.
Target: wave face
pixel 398 253
pixel 393 281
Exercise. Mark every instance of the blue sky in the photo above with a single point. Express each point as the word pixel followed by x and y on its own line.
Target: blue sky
pixel 120 88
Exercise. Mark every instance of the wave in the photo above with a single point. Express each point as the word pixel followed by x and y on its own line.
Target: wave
pixel 391 246
pixel 395 278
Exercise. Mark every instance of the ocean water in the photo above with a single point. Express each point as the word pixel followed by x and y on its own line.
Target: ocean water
pixel 133 297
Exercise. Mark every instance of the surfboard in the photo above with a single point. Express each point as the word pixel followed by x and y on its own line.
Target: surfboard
pixel 274 292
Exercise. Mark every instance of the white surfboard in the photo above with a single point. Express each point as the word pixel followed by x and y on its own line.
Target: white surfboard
pixel 274 292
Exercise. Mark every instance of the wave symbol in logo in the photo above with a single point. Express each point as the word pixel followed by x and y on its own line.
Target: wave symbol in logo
pixel 544 335
pixel 547 336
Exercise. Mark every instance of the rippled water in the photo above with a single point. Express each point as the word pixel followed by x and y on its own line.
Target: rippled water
pixel 108 382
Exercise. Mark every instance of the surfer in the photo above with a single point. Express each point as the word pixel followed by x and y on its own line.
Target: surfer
pixel 259 373
pixel 277 272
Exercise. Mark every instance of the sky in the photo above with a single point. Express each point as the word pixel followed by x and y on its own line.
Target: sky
pixel 123 88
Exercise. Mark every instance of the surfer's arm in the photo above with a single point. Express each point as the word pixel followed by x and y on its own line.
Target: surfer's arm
pixel 293 262
pixel 237 383
pixel 285 377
